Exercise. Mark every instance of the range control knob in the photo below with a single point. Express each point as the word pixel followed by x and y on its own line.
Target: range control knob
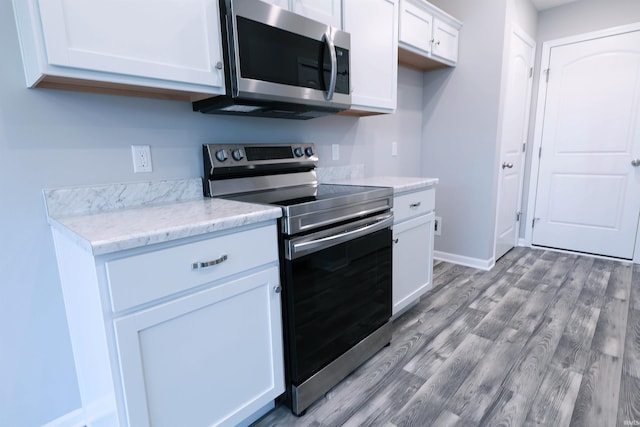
pixel 237 154
pixel 308 151
pixel 221 155
pixel 298 151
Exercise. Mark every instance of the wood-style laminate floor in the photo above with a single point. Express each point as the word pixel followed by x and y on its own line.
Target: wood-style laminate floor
pixel 543 339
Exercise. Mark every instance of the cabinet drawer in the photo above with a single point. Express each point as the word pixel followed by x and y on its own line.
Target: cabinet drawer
pixel 142 278
pixel 409 205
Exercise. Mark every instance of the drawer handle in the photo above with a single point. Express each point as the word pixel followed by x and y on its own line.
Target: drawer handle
pixel 414 205
pixel 198 265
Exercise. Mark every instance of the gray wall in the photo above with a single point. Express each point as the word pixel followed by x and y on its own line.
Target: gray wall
pixel 55 138
pixel 460 129
pixel 580 17
pixel 462 118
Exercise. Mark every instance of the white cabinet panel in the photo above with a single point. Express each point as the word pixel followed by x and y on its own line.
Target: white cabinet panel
pixel 325 11
pixel 428 36
pixel 416 27
pixel 374 53
pixel 138 279
pixel 280 3
pixel 445 41
pixel 212 358
pixel 413 230
pixel 139 45
pixel 412 260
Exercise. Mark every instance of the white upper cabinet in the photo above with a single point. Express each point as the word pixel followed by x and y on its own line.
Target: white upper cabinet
pixel 170 45
pixel 445 41
pixel 428 36
pixel 374 54
pixel 325 11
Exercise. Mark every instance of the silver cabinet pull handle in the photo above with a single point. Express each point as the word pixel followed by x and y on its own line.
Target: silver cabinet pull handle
pixel 415 205
pixel 277 289
pixel 507 165
pixel 198 265
pixel 635 162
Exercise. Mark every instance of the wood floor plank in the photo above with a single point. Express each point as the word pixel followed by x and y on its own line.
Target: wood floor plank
pixel 635 287
pixel 554 401
pixel 629 401
pixel 480 388
pixel 631 362
pixel 494 293
pixel 384 405
pixel 509 409
pixel 427 403
pixel 496 320
pixel 575 344
pixel 530 314
pixel 597 401
pixel 610 331
pixel 444 344
pixel 619 285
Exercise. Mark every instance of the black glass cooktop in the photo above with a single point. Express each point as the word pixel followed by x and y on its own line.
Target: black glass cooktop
pixel 292 196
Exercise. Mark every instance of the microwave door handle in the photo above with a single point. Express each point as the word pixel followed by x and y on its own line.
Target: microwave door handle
pixel 328 40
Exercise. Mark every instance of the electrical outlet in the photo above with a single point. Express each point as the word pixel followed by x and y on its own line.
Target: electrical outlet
pixel 437 226
pixel 394 148
pixel 141 158
pixel 335 151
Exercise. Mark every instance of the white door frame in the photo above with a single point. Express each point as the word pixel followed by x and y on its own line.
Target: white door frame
pixel 519 32
pixel 540 107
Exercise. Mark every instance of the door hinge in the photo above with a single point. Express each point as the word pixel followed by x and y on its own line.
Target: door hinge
pixel 533 222
pixel 518 215
pixel 524 147
pixel 540 152
pixel 531 72
pixel 547 71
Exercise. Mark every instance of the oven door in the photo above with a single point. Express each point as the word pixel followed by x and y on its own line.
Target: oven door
pixel 337 291
pixel 282 56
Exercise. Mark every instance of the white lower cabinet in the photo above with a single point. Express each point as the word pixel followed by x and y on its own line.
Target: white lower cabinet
pixel 413 231
pixel 210 358
pixel 183 333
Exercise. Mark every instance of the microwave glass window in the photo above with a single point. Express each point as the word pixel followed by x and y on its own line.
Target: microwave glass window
pixel 279 56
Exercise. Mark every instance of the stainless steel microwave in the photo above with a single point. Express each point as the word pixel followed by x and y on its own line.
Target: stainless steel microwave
pixel 280 64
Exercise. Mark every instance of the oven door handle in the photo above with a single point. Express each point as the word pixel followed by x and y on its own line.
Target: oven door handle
pixel 303 246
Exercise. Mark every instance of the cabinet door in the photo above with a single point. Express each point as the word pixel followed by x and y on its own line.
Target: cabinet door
pixel 374 53
pixel 214 357
pixel 412 260
pixel 325 11
pixel 416 27
pixel 169 40
pixel 445 41
pixel 280 3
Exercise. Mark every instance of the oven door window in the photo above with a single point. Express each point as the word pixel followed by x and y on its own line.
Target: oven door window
pixel 335 298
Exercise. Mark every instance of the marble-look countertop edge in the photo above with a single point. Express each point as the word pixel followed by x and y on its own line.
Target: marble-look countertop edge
pixel 120 230
pixel 399 184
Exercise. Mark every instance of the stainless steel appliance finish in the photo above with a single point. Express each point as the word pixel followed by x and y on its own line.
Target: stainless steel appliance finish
pixel 280 64
pixel 335 259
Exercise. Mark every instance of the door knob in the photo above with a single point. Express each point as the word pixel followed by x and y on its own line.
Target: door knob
pixel 635 162
pixel 507 165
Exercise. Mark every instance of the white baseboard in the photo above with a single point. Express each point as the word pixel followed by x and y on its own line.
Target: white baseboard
pixel 522 242
pixel 481 264
pixel 71 419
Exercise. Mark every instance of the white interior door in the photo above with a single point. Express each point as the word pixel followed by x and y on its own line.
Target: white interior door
pixel 588 197
pixel 515 126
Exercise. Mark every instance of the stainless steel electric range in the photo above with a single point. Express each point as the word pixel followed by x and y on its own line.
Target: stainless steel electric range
pixel 335 259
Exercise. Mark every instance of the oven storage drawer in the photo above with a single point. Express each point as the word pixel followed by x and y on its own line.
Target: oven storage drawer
pixel 409 205
pixel 142 278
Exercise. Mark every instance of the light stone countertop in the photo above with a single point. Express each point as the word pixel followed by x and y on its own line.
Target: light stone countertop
pixel 112 231
pixel 113 217
pixel 399 184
